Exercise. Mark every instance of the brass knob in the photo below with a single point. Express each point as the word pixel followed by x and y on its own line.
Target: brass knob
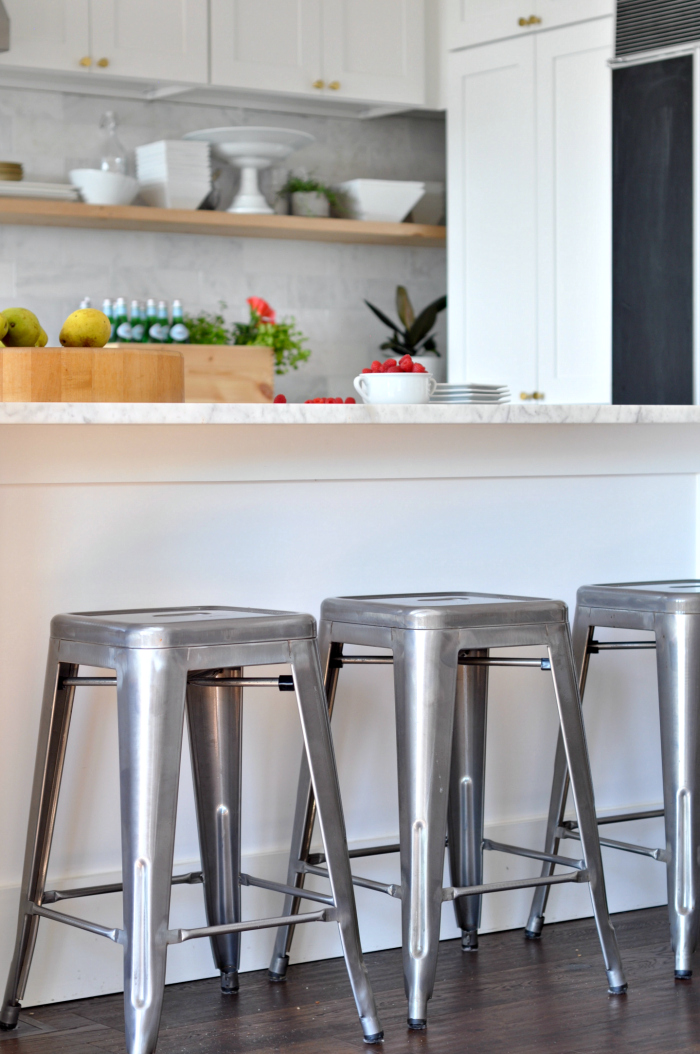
pixel 533 20
pixel 334 85
pixel 318 84
pixel 86 61
pixel 103 63
pixel 537 396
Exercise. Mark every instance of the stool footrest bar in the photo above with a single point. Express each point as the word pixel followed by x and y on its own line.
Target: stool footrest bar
pixel 619 645
pixel 620 817
pixel 464 660
pixel 178 936
pixel 358 854
pixel 525 883
pixel 53 896
pixel 115 935
pixel 626 847
pixel 284 682
pixel 292 891
pixel 390 889
pixel 532 854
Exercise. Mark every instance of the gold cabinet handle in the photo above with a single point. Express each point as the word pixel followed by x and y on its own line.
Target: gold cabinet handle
pixel 527 396
pixel 318 85
pixel 86 61
pixel 533 20
pixel 103 63
pixel 334 85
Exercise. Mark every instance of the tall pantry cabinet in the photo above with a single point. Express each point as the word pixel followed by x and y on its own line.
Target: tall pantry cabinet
pixel 529 180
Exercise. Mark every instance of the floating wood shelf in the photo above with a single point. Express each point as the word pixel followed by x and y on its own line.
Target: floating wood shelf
pixel 33 212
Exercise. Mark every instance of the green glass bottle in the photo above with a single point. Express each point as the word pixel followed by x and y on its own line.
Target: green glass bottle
pixel 151 335
pixel 163 323
pixel 109 312
pixel 121 322
pixel 179 333
pixel 137 323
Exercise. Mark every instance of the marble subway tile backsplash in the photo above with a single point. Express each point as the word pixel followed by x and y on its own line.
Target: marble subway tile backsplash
pixel 322 285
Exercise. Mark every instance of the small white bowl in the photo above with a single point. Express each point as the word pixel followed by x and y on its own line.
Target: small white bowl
pixel 382 200
pixel 395 387
pixel 104 188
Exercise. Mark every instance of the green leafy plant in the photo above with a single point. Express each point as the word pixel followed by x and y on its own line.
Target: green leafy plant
pixel 207 328
pixel 413 336
pixel 262 329
pixel 295 185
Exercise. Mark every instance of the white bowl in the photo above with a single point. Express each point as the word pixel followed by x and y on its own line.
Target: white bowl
pixel 395 387
pixel 258 147
pixel 104 188
pixel 382 200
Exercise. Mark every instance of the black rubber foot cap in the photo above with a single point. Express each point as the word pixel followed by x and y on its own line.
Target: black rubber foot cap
pixel 530 935
pixel 683 975
pixel 417 1024
pixel 6 1028
pixel 619 989
pixel 276 977
pixel 229 982
pixel 378 1037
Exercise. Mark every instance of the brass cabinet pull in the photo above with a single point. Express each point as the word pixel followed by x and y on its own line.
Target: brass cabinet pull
pixel 86 61
pixel 318 84
pixel 103 63
pixel 533 20
pixel 334 85
pixel 537 396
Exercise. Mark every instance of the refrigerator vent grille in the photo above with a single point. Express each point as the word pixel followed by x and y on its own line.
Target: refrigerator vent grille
pixel 645 25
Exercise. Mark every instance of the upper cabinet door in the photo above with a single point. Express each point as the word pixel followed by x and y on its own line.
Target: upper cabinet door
pixel 271 45
pixel 153 39
pixel 375 50
pixel 492 247
pixel 574 128
pixel 48 34
pixel 480 21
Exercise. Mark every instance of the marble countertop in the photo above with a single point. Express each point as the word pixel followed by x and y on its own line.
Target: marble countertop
pixel 318 414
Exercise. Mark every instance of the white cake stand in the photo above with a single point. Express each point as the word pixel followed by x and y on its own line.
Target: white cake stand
pixel 252 149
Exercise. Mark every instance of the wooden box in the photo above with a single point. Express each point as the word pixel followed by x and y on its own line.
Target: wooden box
pixel 224 373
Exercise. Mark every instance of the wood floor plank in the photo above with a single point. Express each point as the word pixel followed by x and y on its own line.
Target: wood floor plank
pixel 511 997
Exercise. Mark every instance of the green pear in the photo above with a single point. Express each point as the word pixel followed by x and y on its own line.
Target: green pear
pixel 4 326
pixel 42 340
pixel 85 328
pixel 23 327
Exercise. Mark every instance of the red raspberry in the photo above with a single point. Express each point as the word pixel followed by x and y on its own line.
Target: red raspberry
pixel 388 365
pixel 418 367
pixel 366 370
pixel 394 369
pixel 350 400
pixel 376 366
pixel 280 399
pixel 406 363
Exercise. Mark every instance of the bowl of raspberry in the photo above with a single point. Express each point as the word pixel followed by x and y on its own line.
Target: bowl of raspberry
pixel 402 381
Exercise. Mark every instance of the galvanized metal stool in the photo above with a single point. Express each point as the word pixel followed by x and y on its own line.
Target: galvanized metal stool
pixel 671 611
pixel 440 644
pixel 162 659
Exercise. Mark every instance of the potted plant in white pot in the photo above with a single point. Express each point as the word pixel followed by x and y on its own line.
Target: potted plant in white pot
pixel 309 197
pixel 413 336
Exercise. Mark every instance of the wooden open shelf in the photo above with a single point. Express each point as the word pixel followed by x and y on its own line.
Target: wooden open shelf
pixel 33 212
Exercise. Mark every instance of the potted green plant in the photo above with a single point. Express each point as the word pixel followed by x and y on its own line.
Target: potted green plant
pixel 309 197
pixel 261 330
pixel 412 336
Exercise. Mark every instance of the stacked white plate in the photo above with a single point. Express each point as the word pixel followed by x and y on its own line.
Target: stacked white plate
pixel 470 393
pixel 174 174
pixel 26 189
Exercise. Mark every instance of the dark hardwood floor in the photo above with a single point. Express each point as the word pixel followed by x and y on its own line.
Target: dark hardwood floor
pixel 511 997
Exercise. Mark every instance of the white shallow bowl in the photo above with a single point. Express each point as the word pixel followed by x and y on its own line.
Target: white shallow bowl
pixel 395 387
pixel 259 146
pixel 104 188
pixel 382 200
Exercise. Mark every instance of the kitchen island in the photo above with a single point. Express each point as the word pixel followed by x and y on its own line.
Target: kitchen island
pixel 135 505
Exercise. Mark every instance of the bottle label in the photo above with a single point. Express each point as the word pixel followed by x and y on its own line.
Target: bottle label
pixel 179 333
pixel 124 331
pixel 155 333
pixel 137 331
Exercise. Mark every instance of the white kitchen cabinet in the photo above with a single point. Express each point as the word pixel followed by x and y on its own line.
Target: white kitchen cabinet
pixel 48 34
pixel 481 21
pixel 152 39
pixel 157 39
pixel 352 49
pixel 375 49
pixel 529 184
pixel 270 45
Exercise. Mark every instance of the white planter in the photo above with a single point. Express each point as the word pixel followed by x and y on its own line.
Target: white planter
pixel 310 203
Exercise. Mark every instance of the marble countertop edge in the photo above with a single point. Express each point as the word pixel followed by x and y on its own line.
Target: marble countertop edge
pixel 318 414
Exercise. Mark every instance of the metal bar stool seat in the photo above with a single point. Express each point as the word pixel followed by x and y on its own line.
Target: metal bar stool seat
pixel 440 652
pixel 671 611
pixel 168 662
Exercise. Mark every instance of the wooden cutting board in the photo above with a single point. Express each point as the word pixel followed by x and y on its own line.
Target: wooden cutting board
pixel 224 373
pixel 130 374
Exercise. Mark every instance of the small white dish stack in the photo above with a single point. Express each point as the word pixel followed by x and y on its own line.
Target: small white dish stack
pixel 174 174
pixel 50 191
pixel 470 393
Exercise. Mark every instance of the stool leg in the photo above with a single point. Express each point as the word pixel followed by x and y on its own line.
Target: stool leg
pixel 465 815
pixel 151 687
pixel 570 718
pixel 214 717
pixel 51 751
pixel 580 638
pixel 304 815
pixel 425 682
pixel 313 712
pixel 678 669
